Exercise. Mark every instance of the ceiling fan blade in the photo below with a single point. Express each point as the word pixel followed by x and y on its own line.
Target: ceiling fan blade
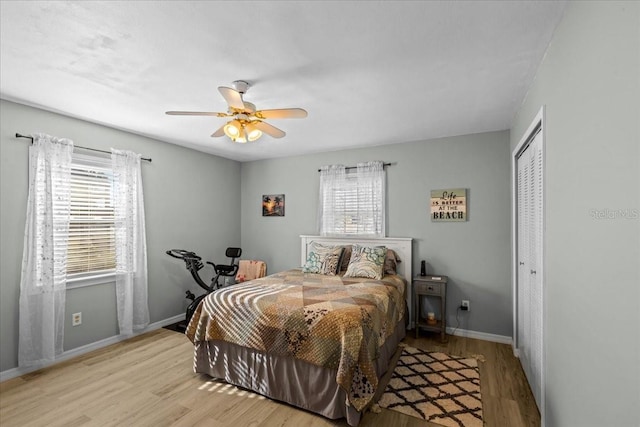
pixel 232 96
pixel 269 129
pixel 282 113
pixel 196 113
pixel 219 132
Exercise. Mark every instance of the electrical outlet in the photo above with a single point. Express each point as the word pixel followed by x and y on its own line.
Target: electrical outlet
pixel 76 319
pixel 465 305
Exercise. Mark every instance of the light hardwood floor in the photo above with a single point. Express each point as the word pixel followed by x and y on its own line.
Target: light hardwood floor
pixel 148 381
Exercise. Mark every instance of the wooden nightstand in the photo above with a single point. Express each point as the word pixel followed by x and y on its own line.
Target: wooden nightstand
pixel 430 286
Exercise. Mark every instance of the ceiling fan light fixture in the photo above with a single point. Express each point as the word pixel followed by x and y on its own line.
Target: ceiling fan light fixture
pixel 242 131
pixel 243 138
pixel 240 140
pixel 233 129
pixel 253 133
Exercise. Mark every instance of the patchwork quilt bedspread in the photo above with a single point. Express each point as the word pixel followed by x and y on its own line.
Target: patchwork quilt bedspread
pixel 329 321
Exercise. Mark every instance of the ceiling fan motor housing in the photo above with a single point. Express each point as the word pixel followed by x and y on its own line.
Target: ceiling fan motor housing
pixel 241 86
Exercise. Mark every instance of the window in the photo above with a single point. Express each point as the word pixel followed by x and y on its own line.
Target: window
pixel 352 203
pixel 71 240
pixel 91 245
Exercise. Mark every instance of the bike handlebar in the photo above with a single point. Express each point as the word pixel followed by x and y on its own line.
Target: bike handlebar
pixel 182 254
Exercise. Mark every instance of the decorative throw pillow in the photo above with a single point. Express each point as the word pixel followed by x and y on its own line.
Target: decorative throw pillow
pixel 323 259
pixel 366 261
pixel 391 262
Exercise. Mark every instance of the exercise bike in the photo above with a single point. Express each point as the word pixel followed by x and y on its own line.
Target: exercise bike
pixel 194 264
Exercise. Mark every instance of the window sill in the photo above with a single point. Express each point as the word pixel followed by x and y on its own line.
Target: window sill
pixel 94 279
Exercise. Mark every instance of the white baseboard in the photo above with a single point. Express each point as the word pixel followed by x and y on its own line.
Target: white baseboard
pixel 16 372
pixel 502 339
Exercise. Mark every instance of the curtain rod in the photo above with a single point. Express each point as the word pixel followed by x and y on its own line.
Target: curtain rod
pixel 355 167
pixel 78 146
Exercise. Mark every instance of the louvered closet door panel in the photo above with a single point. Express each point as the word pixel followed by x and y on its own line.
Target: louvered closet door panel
pixel 524 186
pixel 530 291
pixel 535 282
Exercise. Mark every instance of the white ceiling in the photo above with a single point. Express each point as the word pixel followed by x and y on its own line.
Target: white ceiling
pixel 368 73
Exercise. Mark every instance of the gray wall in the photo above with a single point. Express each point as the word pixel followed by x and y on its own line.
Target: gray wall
pixel 590 84
pixel 191 201
pixel 474 254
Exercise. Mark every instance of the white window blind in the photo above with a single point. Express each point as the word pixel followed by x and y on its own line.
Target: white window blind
pixel 352 203
pixel 347 219
pixel 91 246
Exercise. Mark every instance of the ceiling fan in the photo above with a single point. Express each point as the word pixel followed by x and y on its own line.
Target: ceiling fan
pixel 247 123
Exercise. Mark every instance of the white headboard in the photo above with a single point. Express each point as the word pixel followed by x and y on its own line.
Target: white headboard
pixel 402 246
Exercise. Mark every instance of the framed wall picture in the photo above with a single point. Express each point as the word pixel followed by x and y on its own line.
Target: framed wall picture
pixel 273 205
pixel 449 205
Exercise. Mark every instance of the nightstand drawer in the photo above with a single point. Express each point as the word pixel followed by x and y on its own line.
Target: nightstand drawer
pixel 429 288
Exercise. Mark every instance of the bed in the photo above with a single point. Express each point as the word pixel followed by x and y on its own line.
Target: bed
pixel 314 340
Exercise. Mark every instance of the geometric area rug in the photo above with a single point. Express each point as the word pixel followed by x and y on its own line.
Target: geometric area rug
pixel 435 387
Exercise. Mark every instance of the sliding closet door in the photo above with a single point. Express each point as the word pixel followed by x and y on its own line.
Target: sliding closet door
pixel 530 263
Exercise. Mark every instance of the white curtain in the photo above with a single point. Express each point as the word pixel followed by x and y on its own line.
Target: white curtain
pixel 370 178
pixel 131 246
pixel 330 206
pixel 44 257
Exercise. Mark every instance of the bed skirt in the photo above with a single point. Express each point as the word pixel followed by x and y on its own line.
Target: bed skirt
pixel 286 379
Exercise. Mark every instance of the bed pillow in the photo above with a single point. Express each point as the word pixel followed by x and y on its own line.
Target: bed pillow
pixel 366 261
pixel 323 259
pixel 391 262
